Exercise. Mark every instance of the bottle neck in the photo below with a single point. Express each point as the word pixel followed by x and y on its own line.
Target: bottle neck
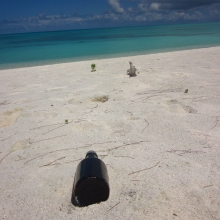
pixel 91 154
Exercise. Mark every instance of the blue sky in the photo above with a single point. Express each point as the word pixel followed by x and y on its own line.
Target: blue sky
pixel 18 16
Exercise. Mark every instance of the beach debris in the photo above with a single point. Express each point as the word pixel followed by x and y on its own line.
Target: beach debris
pixel 114 206
pixel 46 139
pixel 181 152
pixel 91 182
pixel 207 186
pixel 216 122
pixel 137 69
pixel 146 125
pixel 103 98
pixel 5 156
pixel 133 71
pixel 186 91
pixel 93 67
pixel 144 169
pixel 52 162
pixel 55 128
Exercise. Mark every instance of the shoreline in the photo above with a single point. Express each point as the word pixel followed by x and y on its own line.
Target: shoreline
pixel 100 57
pixel 160 143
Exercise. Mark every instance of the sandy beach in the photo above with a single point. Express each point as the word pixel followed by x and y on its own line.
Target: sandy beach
pixel 161 144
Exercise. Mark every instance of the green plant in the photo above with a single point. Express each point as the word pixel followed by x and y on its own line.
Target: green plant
pixel 66 121
pixel 186 91
pixel 93 67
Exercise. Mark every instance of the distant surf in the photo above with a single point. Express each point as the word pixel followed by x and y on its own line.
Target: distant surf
pixel 31 49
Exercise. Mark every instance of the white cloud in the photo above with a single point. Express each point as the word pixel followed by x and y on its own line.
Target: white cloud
pixel 145 12
pixel 130 9
pixel 116 6
pixel 143 7
pixel 155 6
pixel 140 18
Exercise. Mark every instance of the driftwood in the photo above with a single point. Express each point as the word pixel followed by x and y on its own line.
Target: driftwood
pixel 132 71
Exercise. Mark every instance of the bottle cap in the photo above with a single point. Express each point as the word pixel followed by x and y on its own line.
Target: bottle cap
pixel 91 154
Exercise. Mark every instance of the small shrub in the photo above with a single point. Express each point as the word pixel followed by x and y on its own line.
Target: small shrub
pixel 66 121
pixel 186 91
pixel 93 67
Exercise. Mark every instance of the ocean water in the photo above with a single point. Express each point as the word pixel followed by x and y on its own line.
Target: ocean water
pixel 30 49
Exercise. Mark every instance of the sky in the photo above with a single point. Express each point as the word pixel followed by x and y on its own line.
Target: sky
pixel 18 16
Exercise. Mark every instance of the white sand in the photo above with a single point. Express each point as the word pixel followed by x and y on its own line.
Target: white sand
pixel 148 122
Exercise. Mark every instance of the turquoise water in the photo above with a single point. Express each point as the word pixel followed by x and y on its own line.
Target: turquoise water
pixel 30 49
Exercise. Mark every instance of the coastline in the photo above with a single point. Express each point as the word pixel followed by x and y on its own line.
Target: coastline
pixel 160 144
pixel 101 57
pixel 46 48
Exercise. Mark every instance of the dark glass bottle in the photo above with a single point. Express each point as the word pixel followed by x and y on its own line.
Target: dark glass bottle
pixel 91 183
